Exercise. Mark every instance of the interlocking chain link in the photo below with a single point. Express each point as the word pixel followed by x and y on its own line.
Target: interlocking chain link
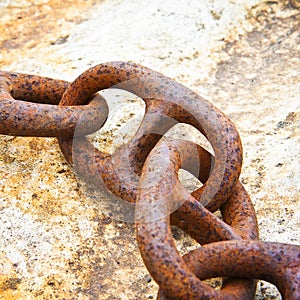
pixel 144 174
pixel 33 116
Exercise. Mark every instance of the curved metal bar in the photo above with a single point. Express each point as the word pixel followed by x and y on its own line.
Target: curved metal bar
pixel 36 112
pixel 273 262
pixel 145 171
pixel 180 104
pixel 154 236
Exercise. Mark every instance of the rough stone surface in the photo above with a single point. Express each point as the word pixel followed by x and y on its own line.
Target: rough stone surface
pixel 55 243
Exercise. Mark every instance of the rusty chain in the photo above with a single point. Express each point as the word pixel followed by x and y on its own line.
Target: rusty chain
pixel 144 174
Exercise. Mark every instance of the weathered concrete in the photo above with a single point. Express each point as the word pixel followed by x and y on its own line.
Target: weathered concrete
pixel 56 243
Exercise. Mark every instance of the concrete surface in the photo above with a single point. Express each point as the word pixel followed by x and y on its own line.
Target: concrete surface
pixel 244 56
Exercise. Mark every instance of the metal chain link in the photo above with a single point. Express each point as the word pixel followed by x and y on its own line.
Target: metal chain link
pixel 144 173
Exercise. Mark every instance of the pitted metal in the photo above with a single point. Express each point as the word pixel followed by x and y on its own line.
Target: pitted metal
pixel 144 173
pixel 28 107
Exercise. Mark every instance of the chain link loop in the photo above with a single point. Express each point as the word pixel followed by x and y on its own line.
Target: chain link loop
pixel 28 107
pixel 143 176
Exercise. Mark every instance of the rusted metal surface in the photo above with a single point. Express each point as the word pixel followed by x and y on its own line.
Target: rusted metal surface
pixel 167 102
pixel 273 262
pixel 143 174
pixel 19 116
pixel 181 278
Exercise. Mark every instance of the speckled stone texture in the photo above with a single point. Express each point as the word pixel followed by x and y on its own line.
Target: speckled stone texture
pixel 57 241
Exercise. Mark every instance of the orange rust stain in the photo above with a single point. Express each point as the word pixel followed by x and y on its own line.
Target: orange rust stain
pixel 25 27
pixel 9 287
